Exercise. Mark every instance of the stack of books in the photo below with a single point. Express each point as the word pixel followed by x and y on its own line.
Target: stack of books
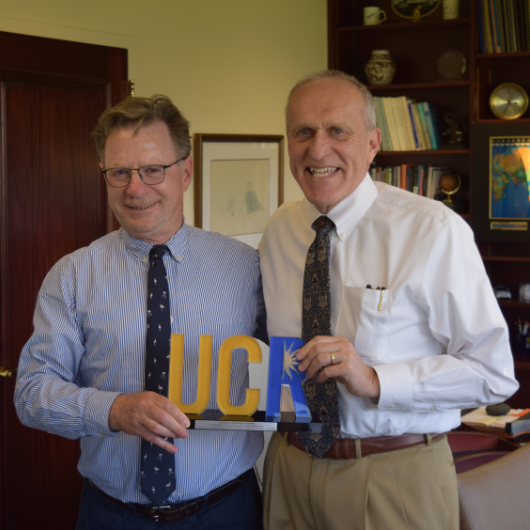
pixel 422 180
pixel 504 26
pixel 406 125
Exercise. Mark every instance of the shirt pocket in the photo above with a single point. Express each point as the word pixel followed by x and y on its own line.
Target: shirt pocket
pixel 361 321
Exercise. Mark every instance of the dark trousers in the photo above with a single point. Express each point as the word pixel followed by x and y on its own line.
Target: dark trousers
pixel 243 510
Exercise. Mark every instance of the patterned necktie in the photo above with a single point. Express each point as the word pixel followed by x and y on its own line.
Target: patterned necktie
pixel 316 320
pixel 157 465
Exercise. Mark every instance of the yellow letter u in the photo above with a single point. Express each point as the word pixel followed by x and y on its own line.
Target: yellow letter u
pixel 176 374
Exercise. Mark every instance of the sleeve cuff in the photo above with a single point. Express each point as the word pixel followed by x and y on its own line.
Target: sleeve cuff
pixel 97 413
pixel 396 386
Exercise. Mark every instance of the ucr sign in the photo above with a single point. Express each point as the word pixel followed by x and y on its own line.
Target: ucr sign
pixel 282 373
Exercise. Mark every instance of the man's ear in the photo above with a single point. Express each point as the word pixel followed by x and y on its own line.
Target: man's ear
pixel 374 141
pixel 187 167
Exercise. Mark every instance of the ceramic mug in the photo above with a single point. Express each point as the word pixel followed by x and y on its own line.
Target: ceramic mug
pixel 450 9
pixel 373 15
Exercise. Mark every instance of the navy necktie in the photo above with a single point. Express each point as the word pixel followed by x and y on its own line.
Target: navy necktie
pixel 157 465
pixel 316 320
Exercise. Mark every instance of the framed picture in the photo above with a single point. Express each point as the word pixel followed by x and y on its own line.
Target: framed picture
pixel 238 183
pixel 405 8
pixel 501 181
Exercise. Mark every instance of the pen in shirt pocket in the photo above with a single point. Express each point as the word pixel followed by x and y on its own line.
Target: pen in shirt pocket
pixel 382 289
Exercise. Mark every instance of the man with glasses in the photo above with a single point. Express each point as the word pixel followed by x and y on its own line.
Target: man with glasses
pixel 97 364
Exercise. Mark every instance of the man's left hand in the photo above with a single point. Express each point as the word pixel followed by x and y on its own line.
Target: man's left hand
pixel 337 358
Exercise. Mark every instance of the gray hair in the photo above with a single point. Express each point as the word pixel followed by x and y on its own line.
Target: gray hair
pixel 140 112
pixel 369 107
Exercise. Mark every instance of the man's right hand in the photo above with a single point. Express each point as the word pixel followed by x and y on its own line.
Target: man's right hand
pixel 151 416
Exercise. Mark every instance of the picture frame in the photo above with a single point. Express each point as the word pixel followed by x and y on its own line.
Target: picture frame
pixel 238 183
pixel 405 8
pixel 501 167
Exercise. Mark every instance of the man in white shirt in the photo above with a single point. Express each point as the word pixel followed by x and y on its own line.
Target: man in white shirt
pixel 416 332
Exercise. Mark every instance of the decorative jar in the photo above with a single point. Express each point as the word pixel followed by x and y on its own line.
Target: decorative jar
pixel 380 69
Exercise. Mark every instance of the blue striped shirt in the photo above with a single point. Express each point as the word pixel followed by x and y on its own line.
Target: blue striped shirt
pixel 89 346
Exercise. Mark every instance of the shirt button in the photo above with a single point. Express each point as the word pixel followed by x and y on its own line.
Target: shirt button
pixel 342 234
pixel 179 258
pixel 433 408
pixel 145 260
pixel 391 406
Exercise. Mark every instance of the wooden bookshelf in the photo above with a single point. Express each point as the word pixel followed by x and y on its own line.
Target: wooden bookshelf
pixel 415 47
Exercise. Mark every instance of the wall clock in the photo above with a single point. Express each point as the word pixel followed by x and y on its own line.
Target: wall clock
pixel 509 101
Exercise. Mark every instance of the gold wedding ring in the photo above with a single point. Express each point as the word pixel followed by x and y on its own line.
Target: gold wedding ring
pixel 332 359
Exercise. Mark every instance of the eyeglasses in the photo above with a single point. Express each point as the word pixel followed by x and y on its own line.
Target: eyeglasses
pixel 119 177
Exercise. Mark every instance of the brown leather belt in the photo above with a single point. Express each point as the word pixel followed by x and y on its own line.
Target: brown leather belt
pixel 344 448
pixel 174 513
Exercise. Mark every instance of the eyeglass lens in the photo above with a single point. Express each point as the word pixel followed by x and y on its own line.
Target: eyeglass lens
pixel 150 175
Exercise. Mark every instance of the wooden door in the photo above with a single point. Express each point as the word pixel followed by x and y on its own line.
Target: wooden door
pixel 52 202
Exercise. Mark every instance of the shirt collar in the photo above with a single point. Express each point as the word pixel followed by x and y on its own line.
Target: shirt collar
pixel 140 248
pixel 348 212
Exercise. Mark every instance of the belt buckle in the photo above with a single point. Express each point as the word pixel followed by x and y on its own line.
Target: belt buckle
pixel 153 512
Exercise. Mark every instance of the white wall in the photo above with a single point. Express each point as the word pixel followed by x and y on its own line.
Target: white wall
pixel 227 64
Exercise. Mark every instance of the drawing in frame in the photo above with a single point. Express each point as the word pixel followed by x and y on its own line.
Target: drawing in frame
pixel 238 183
pixel 501 182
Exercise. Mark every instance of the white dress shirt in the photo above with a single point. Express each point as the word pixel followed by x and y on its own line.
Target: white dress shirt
pixel 439 342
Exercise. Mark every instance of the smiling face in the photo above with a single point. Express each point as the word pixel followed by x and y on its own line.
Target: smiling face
pixel 151 213
pixel 330 148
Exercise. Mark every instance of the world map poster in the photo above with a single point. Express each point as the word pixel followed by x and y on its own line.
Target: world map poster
pixel 510 177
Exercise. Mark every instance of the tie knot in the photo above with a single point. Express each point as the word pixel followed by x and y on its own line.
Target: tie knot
pixel 323 225
pixel 157 251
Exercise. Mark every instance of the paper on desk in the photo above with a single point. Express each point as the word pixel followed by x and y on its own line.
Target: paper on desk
pixel 479 417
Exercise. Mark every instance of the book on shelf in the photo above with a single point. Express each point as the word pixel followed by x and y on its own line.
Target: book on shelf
pixel 392 127
pixel 510 23
pixel 524 25
pixel 501 22
pixel 416 123
pixel 415 133
pixel 421 174
pixel 494 26
pixel 406 125
pixel 434 175
pixel 421 113
pixel 504 26
pixel 486 27
pixel 405 174
pixel 381 123
pixel 516 28
pixel 397 113
pixel 419 179
pixel 431 118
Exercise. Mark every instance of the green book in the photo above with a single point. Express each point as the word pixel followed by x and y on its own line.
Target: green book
pixel 430 124
pixel 381 123
pixel 423 122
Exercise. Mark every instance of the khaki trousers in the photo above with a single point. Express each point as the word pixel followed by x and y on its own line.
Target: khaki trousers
pixel 409 489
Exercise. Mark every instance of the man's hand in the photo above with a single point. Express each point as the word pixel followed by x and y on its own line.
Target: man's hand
pixel 345 366
pixel 150 416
